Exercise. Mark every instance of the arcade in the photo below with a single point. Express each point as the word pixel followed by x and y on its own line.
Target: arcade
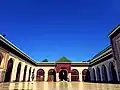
pixel 104 67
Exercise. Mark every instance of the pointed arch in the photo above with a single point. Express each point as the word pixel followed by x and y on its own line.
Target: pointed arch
pixel 94 75
pixel 98 74
pixel 40 75
pixel 9 70
pixel 104 74
pixel 112 73
pixel 24 75
pixel 63 75
pixel 86 75
pixel 74 75
pixel 29 74
pixel 52 75
pixel 18 72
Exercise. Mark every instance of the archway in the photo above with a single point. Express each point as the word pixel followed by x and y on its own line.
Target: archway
pixel 8 71
pixel 112 73
pixel 104 74
pixel 29 74
pixel 94 75
pixel 98 74
pixel 86 75
pixel 18 72
pixel 24 75
pixel 74 75
pixel 63 75
pixel 52 75
pixel 40 75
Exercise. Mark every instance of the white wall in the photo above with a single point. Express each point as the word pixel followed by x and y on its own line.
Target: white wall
pixel 80 69
pixel 46 69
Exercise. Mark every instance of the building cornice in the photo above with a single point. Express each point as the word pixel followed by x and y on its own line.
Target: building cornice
pixel 114 30
pixel 54 63
pixel 102 53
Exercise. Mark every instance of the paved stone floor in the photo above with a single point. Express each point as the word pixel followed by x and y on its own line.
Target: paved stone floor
pixel 58 86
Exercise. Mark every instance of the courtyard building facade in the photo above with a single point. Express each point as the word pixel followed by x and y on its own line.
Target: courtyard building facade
pixel 16 66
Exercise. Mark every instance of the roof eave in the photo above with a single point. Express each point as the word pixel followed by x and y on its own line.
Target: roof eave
pixel 114 30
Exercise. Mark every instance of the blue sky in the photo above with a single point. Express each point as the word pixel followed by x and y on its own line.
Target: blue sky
pixel 77 29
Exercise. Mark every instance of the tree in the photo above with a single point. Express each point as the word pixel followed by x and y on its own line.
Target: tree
pixel 45 60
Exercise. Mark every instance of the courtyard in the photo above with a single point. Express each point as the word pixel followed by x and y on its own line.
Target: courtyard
pixel 58 86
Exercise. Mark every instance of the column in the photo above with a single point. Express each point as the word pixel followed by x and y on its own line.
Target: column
pixel 69 76
pixel 22 72
pixel 80 76
pixel 101 76
pixel 0 75
pixel 46 76
pixel 108 73
pixel 14 70
pixel 57 77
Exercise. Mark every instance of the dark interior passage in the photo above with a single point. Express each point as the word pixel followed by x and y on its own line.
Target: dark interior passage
pixel 8 71
pixel 63 75
pixel 18 72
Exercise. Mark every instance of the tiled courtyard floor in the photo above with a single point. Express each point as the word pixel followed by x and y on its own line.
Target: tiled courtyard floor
pixel 58 86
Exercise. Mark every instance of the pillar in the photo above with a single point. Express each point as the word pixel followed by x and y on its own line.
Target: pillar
pixel 0 75
pixel 108 73
pixel 22 72
pixel 57 77
pixel 80 76
pixel 14 70
pixel 46 76
pixel 69 76
pixel 116 71
pixel 101 73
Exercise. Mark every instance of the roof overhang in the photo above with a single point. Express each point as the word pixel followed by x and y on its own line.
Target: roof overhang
pixel 114 30
pixel 71 63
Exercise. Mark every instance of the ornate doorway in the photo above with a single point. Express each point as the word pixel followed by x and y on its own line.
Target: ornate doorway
pixel 52 75
pixel 63 75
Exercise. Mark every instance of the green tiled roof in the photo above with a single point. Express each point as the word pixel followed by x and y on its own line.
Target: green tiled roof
pixel 63 59
pixel 107 48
